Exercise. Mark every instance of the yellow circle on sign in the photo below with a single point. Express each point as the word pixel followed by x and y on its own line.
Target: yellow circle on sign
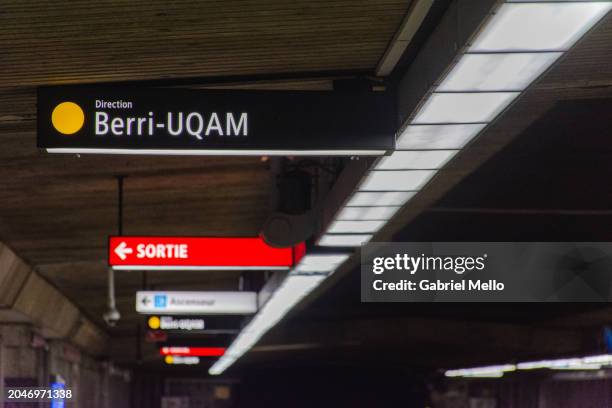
pixel 154 322
pixel 169 359
pixel 67 118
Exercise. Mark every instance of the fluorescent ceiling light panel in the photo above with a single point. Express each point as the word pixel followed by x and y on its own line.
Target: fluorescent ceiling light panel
pixel 576 363
pixel 550 26
pixel 391 198
pixel 419 137
pixel 357 227
pixel 579 367
pixel 415 160
pixel 344 240
pixel 320 263
pixel 367 213
pixel 497 72
pixel 446 108
pixel 398 180
pixel 492 371
pixel 293 289
pixel 221 365
pixel 604 359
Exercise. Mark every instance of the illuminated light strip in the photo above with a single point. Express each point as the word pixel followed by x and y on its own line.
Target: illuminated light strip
pixel 344 240
pixel 577 363
pixel 580 367
pixel 219 152
pixel 518 43
pixel 192 351
pixel 320 263
pixel 495 371
pixel 300 282
pixel 367 213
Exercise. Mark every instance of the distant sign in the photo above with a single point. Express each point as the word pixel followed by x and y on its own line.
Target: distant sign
pixel 180 360
pixel 90 119
pixel 173 323
pixel 192 351
pixel 153 253
pixel 203 303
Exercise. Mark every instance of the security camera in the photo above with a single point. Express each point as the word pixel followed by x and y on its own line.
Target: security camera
pixel 111 317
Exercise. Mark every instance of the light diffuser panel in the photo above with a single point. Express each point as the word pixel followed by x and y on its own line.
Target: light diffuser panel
pixel 392 198
pixel 415 160
pixel 497 72
pixel 293 289
pixel 344 240
pixel 357 227
pixel 446 108
pixel 367 213
pixel 550 26
pixel 418 137
pixel 396 180
pixel 320 262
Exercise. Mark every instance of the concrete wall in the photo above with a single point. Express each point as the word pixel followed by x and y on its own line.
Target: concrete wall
pixel 28 359
pixel 42 333
pixel 527 392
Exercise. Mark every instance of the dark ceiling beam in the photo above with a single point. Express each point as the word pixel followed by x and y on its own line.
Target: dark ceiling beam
pixel 593 319
pixel 410 358
pixel 401 332
pixel 403 37
pixel 521 211
pixel 200 81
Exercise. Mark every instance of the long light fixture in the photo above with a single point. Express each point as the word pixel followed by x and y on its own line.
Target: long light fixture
pixel 579 363
pixel 520 42
pixel 303 279
pixel 494 371
pixel 517 45
pixel 588 363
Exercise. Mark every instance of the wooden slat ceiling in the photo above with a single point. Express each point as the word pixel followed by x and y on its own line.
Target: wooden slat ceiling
pixel 85 41
pixel 57 211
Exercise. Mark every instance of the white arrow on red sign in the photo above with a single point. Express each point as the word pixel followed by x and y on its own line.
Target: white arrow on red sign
pixel 123 251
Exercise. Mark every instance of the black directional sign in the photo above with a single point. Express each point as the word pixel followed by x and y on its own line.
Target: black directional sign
pixel 96 119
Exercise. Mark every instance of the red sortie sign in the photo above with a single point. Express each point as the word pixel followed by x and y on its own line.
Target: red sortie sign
pixel 192 351
pixel 199 253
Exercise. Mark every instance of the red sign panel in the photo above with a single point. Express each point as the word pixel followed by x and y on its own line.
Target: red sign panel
pixel 199 253
pixel 192 351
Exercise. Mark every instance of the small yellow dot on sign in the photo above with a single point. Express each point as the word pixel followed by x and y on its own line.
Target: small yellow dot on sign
pixel 154 322
pixel 67 118
pixel 169 359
